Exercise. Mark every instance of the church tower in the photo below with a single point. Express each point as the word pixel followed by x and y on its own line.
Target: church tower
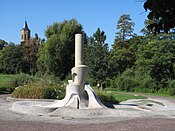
pixel 25 33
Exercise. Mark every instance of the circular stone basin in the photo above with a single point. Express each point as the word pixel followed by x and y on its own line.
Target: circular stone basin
pixel 31 107
pixel 150 102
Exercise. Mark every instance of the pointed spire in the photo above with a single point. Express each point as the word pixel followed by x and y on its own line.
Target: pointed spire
pixel 26 26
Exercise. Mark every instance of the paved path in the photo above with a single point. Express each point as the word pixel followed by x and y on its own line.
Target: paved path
pixel 10 121
pixel 128 125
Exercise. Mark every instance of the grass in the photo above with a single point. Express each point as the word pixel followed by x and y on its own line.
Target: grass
pixel 116 96
pixel 162 94
pixel 9 82
pixel 124 96
pixel 7 78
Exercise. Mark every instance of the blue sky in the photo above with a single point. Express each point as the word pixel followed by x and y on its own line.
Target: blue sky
pixel 90 13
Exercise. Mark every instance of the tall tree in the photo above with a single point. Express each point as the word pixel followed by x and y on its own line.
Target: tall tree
pixel 3 44
pixel 11 59
pixel 162 12
pixel 97 57
pixel 125 27
pixel 156 57
pixel 146 30
pixel 56 56
pixel 30 55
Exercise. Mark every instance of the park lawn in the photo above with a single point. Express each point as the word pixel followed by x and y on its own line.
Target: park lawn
pixel 7 78
pixel 7 84
pixel 124 96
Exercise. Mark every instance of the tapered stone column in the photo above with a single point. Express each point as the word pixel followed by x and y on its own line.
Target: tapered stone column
pixel 79 46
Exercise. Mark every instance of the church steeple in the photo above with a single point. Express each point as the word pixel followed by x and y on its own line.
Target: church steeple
pixel 25 33
pixel 26 26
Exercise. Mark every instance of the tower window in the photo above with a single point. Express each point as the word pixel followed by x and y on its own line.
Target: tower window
pixel 21 36
pixel 25 36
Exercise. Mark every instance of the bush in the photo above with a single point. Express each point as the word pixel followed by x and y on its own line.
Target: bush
pixel 126 81
pixel 23 79
pixel 91 81
pixel 105 97
pixel 137 81
pixel 40 91
pixel 171 88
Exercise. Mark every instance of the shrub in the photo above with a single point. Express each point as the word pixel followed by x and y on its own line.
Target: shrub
pixel 91 81
pixel 39 91
pixel 22 79
pixel 134 80
pixel 126 81
pixel 171 88
pixel 105 97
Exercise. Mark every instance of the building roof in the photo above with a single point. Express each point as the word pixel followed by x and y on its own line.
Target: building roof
pixel 25 26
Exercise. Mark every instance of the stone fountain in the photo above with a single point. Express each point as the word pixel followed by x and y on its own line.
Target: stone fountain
pixel 79 94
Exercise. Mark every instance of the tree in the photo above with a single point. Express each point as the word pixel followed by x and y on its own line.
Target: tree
pixel 162 13
pixel 125 27
pixel 11 59
pixel 97 57
pixel 56 56
pixel 156 58
pixel 30 55
pixel 146 30
pixel 3 44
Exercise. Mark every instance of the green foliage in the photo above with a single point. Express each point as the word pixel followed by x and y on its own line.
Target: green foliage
pixel 125 27
pixel 171 88
pixel 126 96
pixel 11 59
pixel 23 79
pixel 7 87
pixel 8 83
pixel 97 57
pixel 162 13
pixel 115 96
pixel 105 97
pixel 30 56
pixel 3 44
pixel 134 80
pixel 39 91
pixel 56 56
pixel 125 81
pixel 19 58
pixel 156 58
pixel 123 58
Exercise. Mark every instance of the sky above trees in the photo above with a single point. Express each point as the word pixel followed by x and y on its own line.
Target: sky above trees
pixel 90 13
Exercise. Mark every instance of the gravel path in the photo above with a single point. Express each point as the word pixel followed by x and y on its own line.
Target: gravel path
pixel 15 122
pixel 128 125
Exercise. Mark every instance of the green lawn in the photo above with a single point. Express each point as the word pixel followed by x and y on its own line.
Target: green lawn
pixel 7 84
pixel 124 96
pixel 7 78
